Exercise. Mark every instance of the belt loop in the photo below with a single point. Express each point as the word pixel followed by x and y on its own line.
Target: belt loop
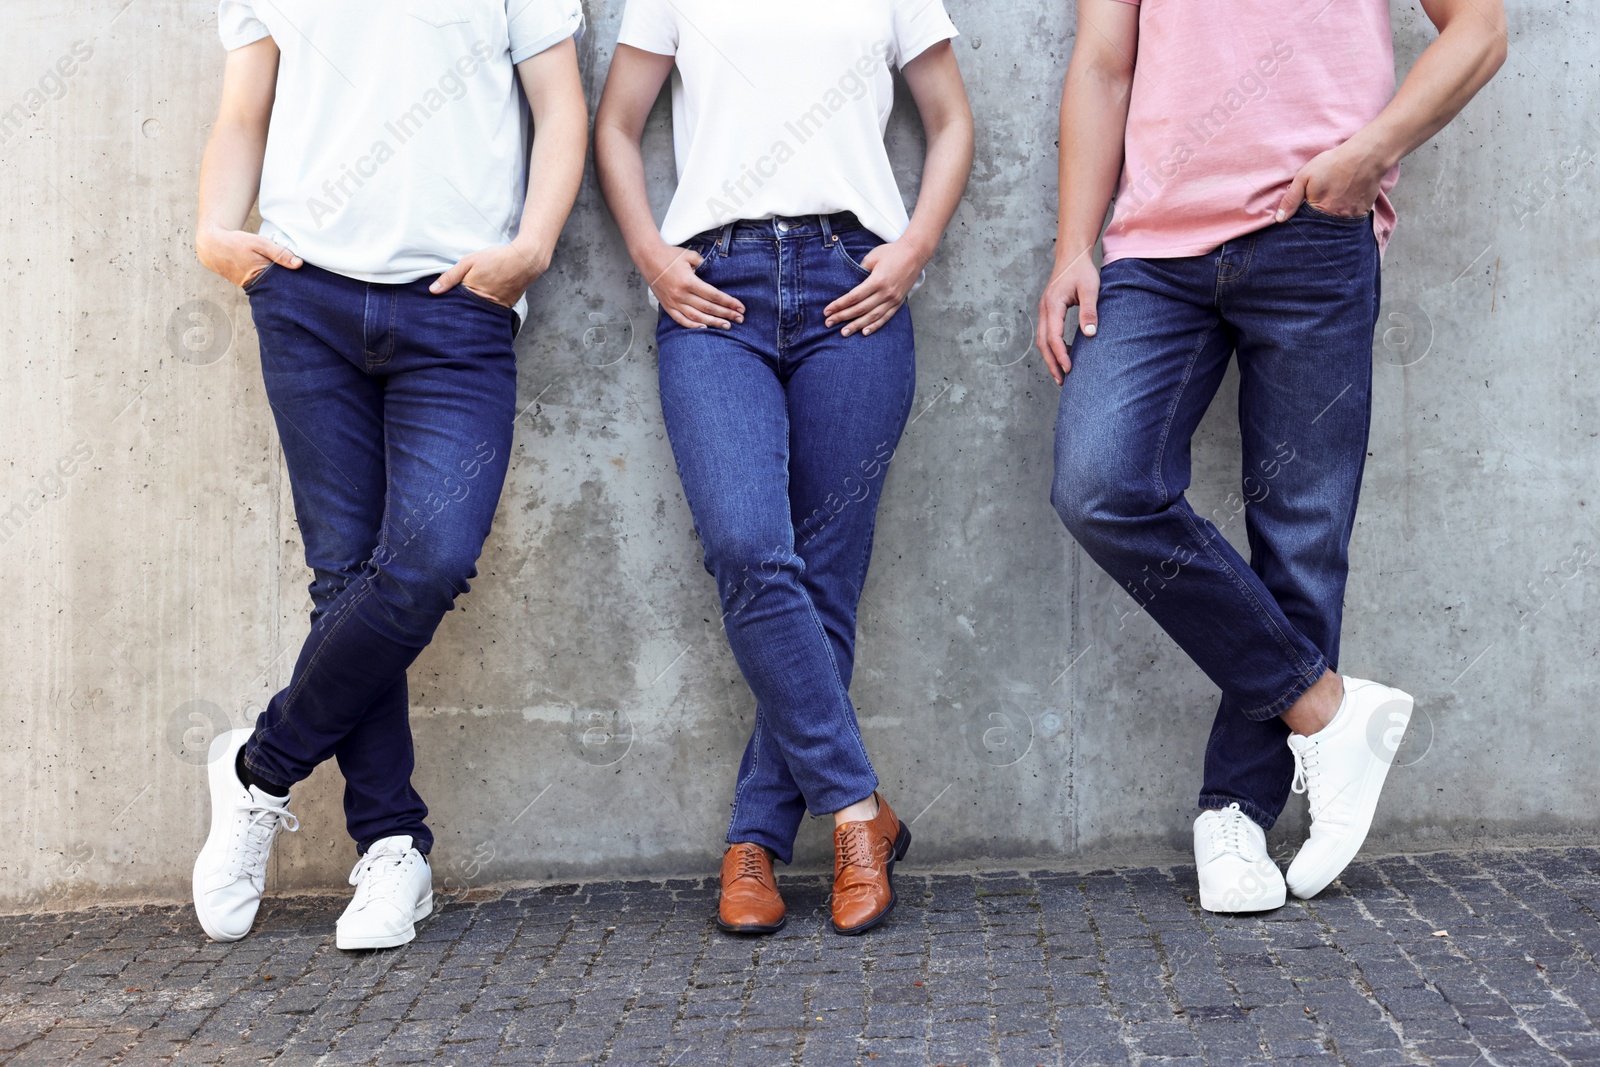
pixel 726 240
pixel 827 229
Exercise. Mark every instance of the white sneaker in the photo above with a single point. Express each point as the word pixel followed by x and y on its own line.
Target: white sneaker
pixel 231 871
pixel 1341 769
pixel 394 890
pixel 1230 855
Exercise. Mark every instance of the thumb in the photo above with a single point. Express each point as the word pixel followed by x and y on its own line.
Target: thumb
pixel 1293 196
pixel 1088 309
pixel 278 254
pixel 452 277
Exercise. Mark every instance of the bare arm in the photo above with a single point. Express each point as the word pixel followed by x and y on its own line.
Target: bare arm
pixel 1470 47
pixel 1094 118
pixel 935 82
pixel 555 171
pixel 230 172
pixel 634 82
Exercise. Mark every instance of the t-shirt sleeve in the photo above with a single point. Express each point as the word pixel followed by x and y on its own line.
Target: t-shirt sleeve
pixel 650 25
pixel 918 26
pixel 536 25
pixel 237 23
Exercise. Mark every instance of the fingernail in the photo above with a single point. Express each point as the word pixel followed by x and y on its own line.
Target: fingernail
pixel 1088 331
pixel 1281 215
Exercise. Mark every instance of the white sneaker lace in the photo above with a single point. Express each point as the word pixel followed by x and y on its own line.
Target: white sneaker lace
pixel 254 838
pixel 1307 777
pixel 380 877
pixel 1227 832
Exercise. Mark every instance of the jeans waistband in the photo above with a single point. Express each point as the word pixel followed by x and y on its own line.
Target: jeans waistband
pixel 785 227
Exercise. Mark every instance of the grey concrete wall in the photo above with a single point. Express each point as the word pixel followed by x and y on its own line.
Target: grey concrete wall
pixel 580 714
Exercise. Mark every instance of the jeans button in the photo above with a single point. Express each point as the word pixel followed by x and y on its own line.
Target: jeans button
pixel 783 227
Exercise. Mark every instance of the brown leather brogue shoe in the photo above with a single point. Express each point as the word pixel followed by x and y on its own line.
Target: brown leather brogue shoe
pixel 750 902
pixel 864 854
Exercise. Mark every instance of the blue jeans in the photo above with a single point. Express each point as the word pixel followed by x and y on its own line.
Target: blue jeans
pixel 1298 302
pixel 782 431
pixel 394 409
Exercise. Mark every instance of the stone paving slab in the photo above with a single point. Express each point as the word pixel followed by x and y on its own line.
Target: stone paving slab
pixel 1447 959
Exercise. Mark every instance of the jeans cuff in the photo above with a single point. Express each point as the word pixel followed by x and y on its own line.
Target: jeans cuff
pixel 830 803
pixel 1295 692
pixel 1260 816
pixel 265 773
pixel 421 838
pixel 780 850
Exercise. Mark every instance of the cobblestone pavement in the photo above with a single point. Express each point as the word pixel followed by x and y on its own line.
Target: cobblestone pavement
pixel 1451 958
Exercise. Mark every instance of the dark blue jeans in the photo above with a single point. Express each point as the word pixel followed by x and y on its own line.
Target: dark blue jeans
pixel 394 408
pixel 782 431
pixel 1297 302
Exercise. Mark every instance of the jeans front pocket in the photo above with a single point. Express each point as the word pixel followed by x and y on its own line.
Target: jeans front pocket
pixel 1318 213
pixel 481 300
pixel 251 285
pixel 705 248
pixel 865 241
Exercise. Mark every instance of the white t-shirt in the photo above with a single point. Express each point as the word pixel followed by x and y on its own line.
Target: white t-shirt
pixel 397 142
pixel 780 108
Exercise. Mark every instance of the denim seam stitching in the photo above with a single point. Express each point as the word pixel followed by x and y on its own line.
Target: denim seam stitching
pixel 1172 410
pixel 1241 586
pixel 366 348
pixel 777 319
pixel 1236 274
pixel 392 341
pixel 883 480
pixel 755 764
pixel 1188 518
pixel 300 683
pixel 844 709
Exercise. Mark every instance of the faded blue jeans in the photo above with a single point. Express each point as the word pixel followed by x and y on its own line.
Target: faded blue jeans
pixel 1297 301
pixel 394 408
pixel 782 431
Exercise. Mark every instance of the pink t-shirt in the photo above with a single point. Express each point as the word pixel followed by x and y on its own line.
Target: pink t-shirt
pixel 1229 101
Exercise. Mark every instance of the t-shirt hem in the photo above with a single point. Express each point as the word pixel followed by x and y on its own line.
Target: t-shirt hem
pixel 1183 252
pixel 1111 255
pixel 572 28
pixel 403 277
